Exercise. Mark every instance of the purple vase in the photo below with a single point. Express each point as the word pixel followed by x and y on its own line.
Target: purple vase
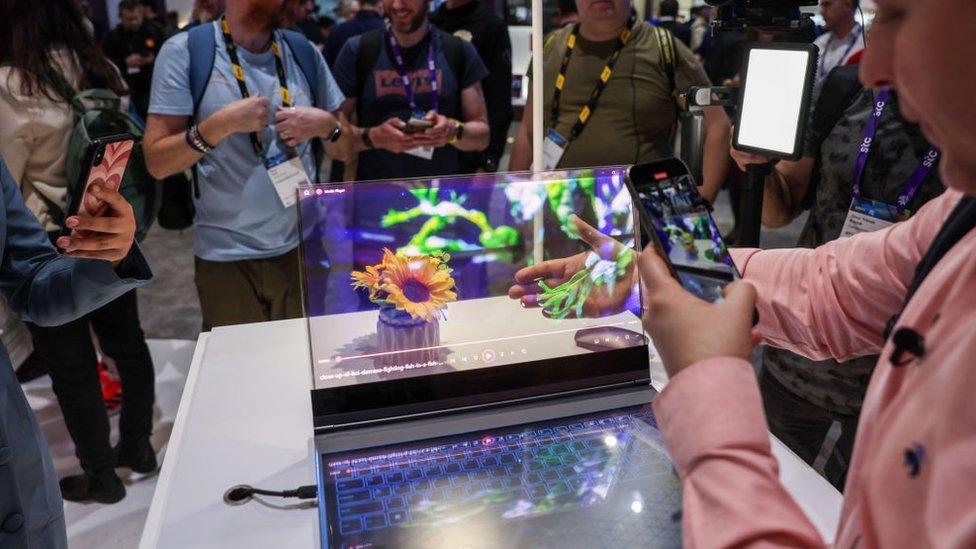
pixel 406 342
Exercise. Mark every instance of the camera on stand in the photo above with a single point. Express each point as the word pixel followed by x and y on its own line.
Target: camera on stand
pixel 770 106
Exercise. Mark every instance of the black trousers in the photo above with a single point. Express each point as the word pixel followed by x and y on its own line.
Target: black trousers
pixel 803 427
pixel 70 355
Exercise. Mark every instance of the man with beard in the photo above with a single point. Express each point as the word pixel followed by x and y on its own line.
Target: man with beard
pixel 249 136
pixel 617 102
pixel 471 20
pixel 417 93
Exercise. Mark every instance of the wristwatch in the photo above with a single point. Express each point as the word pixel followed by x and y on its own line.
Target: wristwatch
pixel 336 133
pixel 366 139
pixel 458 132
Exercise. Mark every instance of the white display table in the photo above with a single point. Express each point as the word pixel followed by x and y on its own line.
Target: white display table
pixel 246 418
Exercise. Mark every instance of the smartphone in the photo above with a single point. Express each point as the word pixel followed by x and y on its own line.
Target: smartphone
pixel 415 125
pixel 105 162
pixel 678 221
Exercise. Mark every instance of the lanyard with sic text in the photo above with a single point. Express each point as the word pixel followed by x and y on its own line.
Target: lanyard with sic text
pixel 925 165
pixel 601 83
pixel 401 67
pixel 239 75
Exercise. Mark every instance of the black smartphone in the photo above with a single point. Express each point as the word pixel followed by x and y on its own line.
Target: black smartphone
pixel 104 163
pixel 678 221
pixel 415 125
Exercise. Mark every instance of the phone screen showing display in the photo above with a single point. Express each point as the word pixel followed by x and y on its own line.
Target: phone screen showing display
pixel 678 220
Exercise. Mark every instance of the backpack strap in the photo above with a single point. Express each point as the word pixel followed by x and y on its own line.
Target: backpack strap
pixel 307 58
pixel 454 53
pixel 665 41
pixel 370 47
pixel 202 46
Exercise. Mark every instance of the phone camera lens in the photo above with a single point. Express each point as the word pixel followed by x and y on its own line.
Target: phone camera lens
pixel 98 158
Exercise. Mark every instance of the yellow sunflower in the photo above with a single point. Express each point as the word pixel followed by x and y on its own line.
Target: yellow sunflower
pixel 416 285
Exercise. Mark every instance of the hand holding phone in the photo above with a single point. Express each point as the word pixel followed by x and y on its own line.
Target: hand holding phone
pixel 108 237
pixel 686 329
pixel 415 125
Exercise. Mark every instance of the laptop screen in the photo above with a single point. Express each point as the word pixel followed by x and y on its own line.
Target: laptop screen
pixel 443 293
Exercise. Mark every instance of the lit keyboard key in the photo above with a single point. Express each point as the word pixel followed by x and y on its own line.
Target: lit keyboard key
pixel 349 484
pixel 350 526
pixel 375 522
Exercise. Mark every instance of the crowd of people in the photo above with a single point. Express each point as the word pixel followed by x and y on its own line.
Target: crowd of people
pixel 253 95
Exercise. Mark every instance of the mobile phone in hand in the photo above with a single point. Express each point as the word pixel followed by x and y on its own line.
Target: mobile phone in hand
pixel 677 220
pixel 415 125
pixel 106 160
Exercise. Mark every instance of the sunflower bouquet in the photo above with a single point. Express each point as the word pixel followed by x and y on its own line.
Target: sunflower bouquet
pixel 420 286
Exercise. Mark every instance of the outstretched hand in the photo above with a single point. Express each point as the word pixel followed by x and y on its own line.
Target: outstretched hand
pixel 589 284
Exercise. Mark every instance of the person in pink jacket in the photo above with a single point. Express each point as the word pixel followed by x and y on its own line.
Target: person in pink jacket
pixel 912 480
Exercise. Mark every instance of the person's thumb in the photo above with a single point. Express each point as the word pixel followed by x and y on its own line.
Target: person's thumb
pixel 741 297
pixel 654 272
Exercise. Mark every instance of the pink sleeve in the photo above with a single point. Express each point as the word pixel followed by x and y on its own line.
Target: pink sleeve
pixel 834 301
pixel 713 424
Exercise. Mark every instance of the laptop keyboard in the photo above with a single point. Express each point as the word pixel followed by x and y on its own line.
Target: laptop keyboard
pixel 527 473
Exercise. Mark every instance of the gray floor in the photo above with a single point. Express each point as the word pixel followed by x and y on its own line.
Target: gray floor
pixel 168 307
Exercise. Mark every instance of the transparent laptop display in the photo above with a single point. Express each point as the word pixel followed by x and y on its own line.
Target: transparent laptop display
pixel 598 480
pixel 415 279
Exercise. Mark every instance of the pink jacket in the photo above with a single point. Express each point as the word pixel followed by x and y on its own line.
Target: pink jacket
pixel 834 302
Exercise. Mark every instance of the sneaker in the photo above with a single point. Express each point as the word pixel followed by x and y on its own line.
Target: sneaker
pixel 111 389
pixel 84 488
pixel 138 456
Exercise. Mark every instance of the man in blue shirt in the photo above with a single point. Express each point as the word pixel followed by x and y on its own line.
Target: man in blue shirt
pixel 368 17
pixel 250 149
pixel 405 77
pixel 49 289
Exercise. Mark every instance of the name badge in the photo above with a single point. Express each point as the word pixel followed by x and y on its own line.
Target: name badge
pixel 286 172
pixel 552 150
pixel 426 153
pixel 866 216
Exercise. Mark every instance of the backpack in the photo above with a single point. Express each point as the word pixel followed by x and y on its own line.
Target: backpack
pixel 178 208
pixel 371 45
pixel 98 113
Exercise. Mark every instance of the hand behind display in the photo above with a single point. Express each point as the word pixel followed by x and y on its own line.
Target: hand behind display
pixel 687 329
pixel 246 115
pixel 108 237
pixel 744 159
pixel 439 134
pixel 390 136
pixel 606 296
pixel 299 124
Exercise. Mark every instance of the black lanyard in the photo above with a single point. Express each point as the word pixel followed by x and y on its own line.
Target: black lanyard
pixel 239 75
pixel 601 82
